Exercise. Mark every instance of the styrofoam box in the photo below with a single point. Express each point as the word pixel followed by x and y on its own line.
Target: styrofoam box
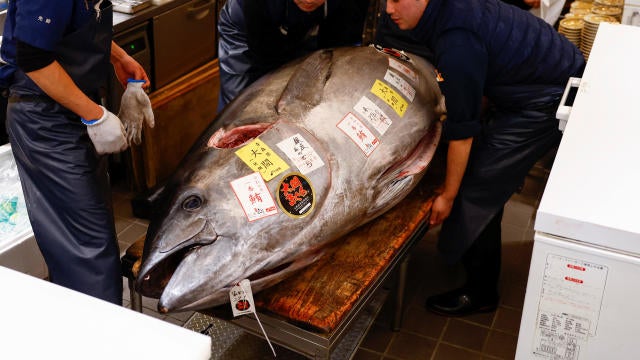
pixel 20 252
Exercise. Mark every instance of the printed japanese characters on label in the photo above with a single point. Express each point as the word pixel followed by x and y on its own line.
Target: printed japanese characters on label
pixel 301 153
pixel 402 68
pixel 295 195
pixel 390 96
pixel 401 84
pixel 560 336
pixel 262 159
pixel 241 298
pixel 359 134
pixel 569 306
pixel 373 114
pixel 254 196
pixel 573 286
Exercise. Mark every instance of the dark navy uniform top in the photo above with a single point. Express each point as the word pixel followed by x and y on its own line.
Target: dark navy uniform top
pixel 486 47
pixel 41 24
pixel 257 36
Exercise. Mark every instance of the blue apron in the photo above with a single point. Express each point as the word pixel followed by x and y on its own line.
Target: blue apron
pixel 65 183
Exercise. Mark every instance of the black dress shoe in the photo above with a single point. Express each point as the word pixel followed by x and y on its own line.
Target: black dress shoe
pixel 461 302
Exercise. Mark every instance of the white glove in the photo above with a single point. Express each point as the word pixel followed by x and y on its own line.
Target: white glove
pixel 106 133
pixel 135 107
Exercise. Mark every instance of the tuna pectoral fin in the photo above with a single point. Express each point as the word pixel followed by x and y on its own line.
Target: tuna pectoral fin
pixel 306 85
pixel 400 179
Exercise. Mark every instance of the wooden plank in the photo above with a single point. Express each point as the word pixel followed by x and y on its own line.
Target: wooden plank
pixel 321 295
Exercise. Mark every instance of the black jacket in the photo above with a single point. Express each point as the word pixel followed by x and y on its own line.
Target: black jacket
pixel 257 36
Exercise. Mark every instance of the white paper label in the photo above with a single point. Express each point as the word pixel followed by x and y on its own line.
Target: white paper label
pixel 254 196
pixel 401 84
pixel 403 69
pixel 569 307
pixel 241 298
pixel 301 153
pixel 359 133
pixel 373 114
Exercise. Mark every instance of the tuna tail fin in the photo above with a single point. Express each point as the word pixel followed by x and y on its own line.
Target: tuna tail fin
pixel 306 85
pixel 400 179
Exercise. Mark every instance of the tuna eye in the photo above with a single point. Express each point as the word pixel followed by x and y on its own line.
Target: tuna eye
pixel 191 203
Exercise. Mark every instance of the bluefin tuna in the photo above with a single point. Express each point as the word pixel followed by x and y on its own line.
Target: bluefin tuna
pixel 306 154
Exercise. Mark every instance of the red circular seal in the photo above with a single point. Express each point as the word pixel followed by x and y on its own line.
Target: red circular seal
pixel 243 305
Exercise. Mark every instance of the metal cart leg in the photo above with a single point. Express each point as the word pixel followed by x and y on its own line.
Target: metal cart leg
pixel 402 281
pixel 135 297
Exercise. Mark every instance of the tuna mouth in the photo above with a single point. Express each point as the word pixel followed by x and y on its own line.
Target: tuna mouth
pixel 156 271
pixel 152 282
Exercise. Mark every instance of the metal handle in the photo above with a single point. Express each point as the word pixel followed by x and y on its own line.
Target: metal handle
pixel 199 12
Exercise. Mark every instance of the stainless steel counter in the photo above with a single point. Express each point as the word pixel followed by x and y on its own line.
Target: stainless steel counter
pixel 122 21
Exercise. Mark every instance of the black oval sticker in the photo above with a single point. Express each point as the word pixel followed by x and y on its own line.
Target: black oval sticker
pixel 295 195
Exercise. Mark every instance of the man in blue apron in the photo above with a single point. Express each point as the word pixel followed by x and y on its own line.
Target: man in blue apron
pixel 57 55
pixel 258 36
pixel 484 50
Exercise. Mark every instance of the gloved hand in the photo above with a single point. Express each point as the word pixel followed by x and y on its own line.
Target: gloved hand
pixel 134 108
pixel 106 133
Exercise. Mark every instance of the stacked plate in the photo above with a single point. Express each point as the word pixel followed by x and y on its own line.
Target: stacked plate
pixel 574 16
pixel 579 4
pixel 613 11
pixel 616 3
pixel 579 11
pixel 588 35
pixel 572 29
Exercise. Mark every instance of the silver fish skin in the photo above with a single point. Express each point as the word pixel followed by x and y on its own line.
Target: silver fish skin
pixel 200 242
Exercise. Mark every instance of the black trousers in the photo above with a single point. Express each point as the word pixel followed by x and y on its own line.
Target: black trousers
pixel 482 260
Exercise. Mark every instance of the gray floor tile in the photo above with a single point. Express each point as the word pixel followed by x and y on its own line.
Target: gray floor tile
pixel 508 320
pixel 465 334
pixel 378 338
pixel 363 354
pixel 409 346
pixel 131 234
pixel 450 352
pixel 501 345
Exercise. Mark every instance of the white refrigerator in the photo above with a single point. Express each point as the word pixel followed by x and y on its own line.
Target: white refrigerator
pixel 583 292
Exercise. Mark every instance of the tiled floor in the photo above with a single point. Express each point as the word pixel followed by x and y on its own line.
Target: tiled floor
pixel 424 335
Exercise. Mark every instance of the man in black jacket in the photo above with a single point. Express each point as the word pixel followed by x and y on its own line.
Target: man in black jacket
pixel 257 36
pixel 484 50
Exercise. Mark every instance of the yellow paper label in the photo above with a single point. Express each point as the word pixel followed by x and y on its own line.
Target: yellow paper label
pixel 390 96
pixel 262 159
